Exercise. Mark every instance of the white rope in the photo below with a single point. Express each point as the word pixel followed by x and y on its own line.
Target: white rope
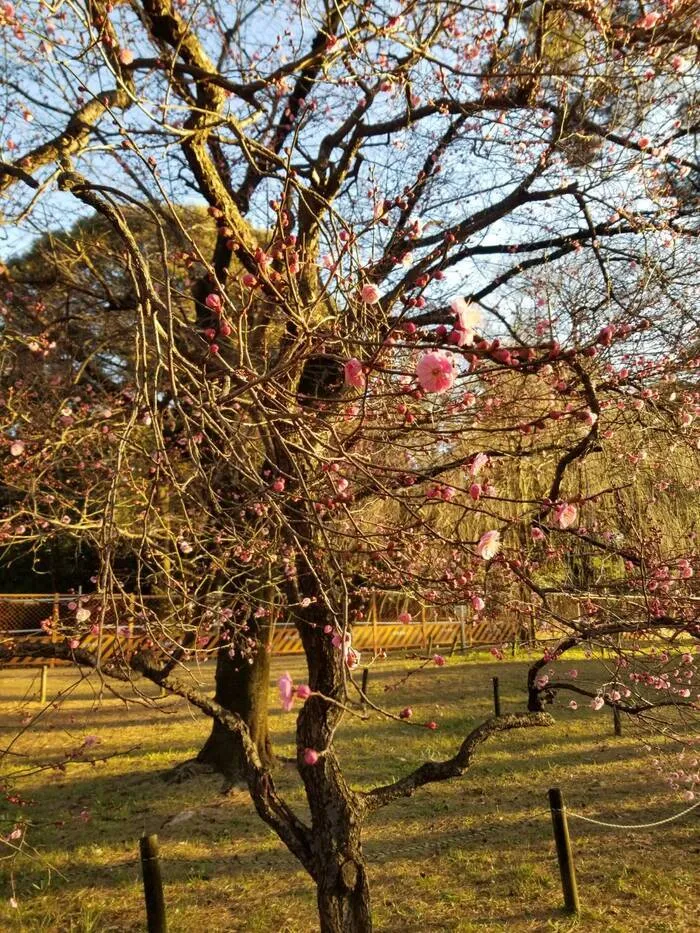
pixel 669 819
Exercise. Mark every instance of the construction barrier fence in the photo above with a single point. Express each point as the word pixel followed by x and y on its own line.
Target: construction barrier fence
pixel 26 619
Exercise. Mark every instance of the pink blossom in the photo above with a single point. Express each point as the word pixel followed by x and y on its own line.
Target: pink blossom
pixel 438 660
pixel 597 703
pixel 278 485
pixel 82 615
pixel 286 688
pixel 352 658
pixel 435 371
pixel 17 448
pixel 126 56
pixel 370 294
pixel 338 640
pixel 489 545
pixel 303 691
pixel 565 514
pixel 649 21
pixel 478 463
pixel 405 617
pixel 310 756
pixel 475 491
pixel 478 605
pixel 431 725
pixel 406 713
pixel 537 534
pixel 573 704
pixel 468 317
pixel 541 681
pixel 354 376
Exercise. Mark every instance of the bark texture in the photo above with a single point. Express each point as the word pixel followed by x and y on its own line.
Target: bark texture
pixel 242 688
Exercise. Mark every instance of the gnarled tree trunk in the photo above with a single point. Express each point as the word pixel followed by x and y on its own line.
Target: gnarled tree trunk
pixel 337 812
pixel 242 686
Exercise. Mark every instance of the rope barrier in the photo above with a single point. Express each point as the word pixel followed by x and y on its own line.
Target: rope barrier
pixel 669 819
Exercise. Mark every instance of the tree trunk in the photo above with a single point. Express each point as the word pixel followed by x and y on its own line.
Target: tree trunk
pixel 241 687
pixel 343 900
pixel 337 813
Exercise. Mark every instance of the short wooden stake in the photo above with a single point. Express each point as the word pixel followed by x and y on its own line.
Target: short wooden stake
pixel 43 682
pixel 454 645
pixel 617 721
pixel 365 679
pixel 152 885
pixel 564 853
pixel 430 646
pixel 496 697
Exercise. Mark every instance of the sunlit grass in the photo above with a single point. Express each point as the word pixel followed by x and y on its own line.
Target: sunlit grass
pixel 470 855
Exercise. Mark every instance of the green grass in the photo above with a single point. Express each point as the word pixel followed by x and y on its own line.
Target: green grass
pixel 470 855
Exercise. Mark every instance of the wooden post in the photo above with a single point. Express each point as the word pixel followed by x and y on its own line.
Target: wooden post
pixel 43 682
pixel 430 646
pixel 423 636
pixel 152 885
pixel 617 721
pixel 564 853
pixel 496 697
pixel 454 645
pixel 463 632
pixel 365 679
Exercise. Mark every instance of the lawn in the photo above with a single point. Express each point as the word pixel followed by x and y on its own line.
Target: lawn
pixel 471 855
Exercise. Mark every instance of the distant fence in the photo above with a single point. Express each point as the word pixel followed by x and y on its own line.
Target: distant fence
pixel 122 631
pixel 24 618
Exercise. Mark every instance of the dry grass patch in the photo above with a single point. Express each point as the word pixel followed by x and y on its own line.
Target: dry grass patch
pixel 471 855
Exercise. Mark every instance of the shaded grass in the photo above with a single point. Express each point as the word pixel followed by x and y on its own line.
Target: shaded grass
pixel 468 855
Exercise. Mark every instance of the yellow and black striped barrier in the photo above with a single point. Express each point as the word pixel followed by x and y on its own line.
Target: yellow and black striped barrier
pixel 285 640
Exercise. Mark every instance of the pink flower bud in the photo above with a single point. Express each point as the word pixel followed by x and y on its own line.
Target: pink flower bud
pixel 310 756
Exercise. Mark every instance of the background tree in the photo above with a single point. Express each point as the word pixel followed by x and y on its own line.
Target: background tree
pixel 446 285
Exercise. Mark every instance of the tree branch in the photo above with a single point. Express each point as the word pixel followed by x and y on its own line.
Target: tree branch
pixel 432 771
